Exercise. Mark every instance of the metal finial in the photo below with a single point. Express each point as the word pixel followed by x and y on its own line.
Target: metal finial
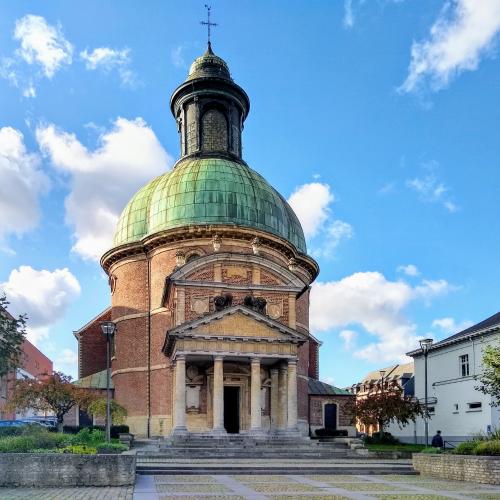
pixel 207 23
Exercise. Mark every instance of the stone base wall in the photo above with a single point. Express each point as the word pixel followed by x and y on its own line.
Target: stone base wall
pixel 458 467
pixel 53 469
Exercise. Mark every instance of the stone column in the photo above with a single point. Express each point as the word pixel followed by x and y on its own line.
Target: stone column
pixel 282 397
pixel 218 396
pixel 274 398
pixel 292 395
pixel 255 410
pixel 180 396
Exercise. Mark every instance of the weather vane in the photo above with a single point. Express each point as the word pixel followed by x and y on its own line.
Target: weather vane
pixel 207 23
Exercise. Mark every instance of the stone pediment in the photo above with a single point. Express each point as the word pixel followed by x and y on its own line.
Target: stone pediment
pixel 238 323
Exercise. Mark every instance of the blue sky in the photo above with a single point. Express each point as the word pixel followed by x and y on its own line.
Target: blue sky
pixel 377 119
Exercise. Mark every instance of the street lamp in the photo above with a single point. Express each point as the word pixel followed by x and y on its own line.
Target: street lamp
pixel 425 345
pixel 382 374
pixel 108 329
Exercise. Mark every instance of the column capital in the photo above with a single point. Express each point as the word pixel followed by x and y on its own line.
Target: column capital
pixel 273 370
pixel 219 357
pixel 180 357
pixel 292 362
pixel 255 360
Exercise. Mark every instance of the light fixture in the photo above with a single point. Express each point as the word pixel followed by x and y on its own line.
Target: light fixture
pixel 108 328
pixel 382 373
pixel 216 242
pixel 425 344
pixel 256 245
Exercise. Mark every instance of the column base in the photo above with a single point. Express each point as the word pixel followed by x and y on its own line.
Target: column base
pixel 180 431
pixel 219 432
pixel 288 432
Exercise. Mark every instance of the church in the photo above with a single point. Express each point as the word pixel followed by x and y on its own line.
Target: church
pixel 210 278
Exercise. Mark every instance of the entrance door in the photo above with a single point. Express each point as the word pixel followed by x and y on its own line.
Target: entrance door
pixel 232 409
pixel 330 416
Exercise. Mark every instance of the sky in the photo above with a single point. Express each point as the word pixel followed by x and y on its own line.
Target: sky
pixel 377 120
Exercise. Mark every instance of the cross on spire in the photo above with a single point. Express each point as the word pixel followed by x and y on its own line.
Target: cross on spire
pixel 207 23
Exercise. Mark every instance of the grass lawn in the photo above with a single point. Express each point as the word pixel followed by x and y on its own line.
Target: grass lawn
pixel 395 447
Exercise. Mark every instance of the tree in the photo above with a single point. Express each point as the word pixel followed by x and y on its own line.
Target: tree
pixel 98 409
pixel 379 408
pixel 12 334
pixel 54 393
pixel 490 378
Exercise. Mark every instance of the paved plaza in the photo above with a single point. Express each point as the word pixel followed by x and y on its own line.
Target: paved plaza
pixel 262 487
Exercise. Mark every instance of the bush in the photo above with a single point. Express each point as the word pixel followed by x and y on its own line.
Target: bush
pixel 384 438
pixel 34 441
pixel 79 449
pixel 330 433
pixel 488 447
pixel 466 448
pixel 106 448
pixel 10 431
pixel 89 437
pixel 115 429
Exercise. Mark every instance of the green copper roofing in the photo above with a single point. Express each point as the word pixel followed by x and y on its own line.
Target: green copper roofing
pixel 208 191
pixel 209 65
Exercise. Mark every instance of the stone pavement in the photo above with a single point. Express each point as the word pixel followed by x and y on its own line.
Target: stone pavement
pixel 272 487
pixel 304 487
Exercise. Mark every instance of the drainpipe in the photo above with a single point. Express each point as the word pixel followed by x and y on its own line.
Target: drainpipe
pixel 149 348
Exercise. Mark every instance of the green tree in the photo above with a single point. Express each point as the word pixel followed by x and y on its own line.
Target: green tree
pixel 380 408
pixel 490 378
pixel 54 393
pixel 12 334
pixel 98 409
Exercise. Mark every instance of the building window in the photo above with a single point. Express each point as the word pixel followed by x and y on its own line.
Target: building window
pixel 455 408
pixel 214 131
pixel 431 410
pixel 475 406
pixel 464 365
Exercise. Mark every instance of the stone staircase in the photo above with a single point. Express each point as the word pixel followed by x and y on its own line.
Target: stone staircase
pixel 242 454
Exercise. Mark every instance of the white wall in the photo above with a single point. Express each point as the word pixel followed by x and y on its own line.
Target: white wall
pixel 446 383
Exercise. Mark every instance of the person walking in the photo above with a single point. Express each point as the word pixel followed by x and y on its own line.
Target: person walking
pixel 437 440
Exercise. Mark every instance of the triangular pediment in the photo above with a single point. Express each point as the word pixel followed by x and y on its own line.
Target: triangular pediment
pixel 238 321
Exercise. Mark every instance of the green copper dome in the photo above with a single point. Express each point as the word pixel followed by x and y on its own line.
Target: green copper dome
pixel 208 191
pixel 209 65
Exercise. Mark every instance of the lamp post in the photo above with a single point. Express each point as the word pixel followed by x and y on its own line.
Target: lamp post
pixel 382 373
pixel 108 329
pixel 425 345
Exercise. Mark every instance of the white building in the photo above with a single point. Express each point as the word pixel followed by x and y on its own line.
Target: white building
pixel 457 408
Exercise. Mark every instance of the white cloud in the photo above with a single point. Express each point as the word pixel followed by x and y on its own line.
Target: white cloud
pixel 348 20
pixel 107 59
pixel 328 380
pixel 449 326
pixel 369 300
pixel 177 56
pixel 431 189
pixel 43 44
pixel 22 182
pixel 103 180
pixel 464 32
pixel 43 295
pixel 409 270
pixel 349 337
pixel 311 202
pixel 335 233
pixel 66 361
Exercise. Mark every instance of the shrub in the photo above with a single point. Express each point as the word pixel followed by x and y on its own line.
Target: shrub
pixel 466 448
pixel 384 438
pixel 106 448
pixel 89 437
pixel 80 449
pixel 115 429
pixel 10 431
pixel 25 443
pixel 488 447
pixel 330 433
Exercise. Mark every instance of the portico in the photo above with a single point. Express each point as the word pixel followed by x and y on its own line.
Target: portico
pixel 255 370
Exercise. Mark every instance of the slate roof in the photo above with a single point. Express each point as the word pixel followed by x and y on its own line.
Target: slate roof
pixel 493 322
pixel 318 388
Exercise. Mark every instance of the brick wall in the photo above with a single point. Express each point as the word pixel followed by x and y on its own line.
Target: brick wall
pixel 313 359
pixel 458 467
pixel 92 347
pixel 344 413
